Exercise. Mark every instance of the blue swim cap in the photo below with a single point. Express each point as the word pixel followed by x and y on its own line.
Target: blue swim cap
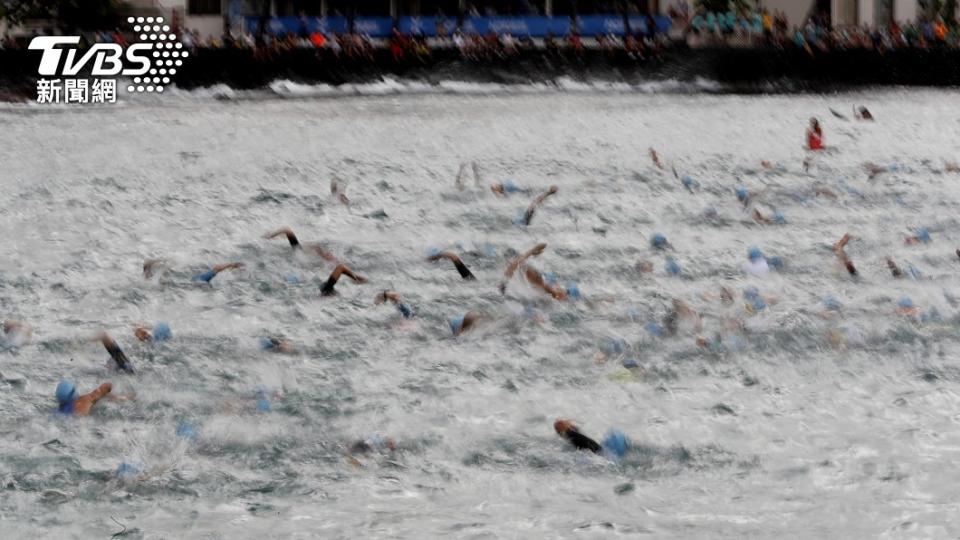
pixel 573 291
pixel 161 332
pixel 778 218
pixel 263 405
pixel 654 328
pixel 433 252
pixel 266 343
pixel 742 193
pixel 775 262
pixel 754 253
pixel 291 279
pixel 658 241
pixel 932 315
pixel 831 303
pixel 129 470
pixel 673 267
pixel 66 391
pixel 187 430
pixel 631 363
pixel 615 444
pixel 510 187
pixel 688 182
pixel 456 323
pixel 905 303
pixel 923 235
pixel 611 346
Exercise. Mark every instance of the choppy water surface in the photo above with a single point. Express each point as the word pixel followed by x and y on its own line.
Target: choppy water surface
pixel 803 424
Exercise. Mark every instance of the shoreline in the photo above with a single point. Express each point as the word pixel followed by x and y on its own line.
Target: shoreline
pixel 735 70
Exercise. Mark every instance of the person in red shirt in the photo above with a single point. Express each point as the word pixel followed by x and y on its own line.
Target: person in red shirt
pixel 815 135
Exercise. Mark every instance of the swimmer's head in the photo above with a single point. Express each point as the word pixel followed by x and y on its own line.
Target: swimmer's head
pixel 654 329
pixel 456 324
pixel 187 430
pixel 615 444
pixel 775 263
pixel 754 254
pixel 688 182
pixel 673 267
pixel 905 303
pixel 573 291
pixel 658 241
pixel 831 304
pixel 742 193
pixel 631 363
pixel 778 218
pixel 66 392
pixel 433 251
pixel 562 427
pixel 162 332
pixel 923 235
pixel 267 343
pixel 129 471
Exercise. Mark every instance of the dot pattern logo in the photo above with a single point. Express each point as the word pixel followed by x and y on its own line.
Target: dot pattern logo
pixel 168 54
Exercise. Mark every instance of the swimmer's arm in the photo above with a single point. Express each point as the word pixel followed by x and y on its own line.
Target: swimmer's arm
pixel 842 243
pixel 542 197
pixel 116 353
pixel 342 269
pixel 457 262
pixel 387 296
pixel 85 402
pixel 459 182
pixel 469 320
pixel 515 263
pixel 535 279
pixel 476 172
pixel 335 190
pixel 322 253
pixel 228 266
pixel 286 231
pixel 149 266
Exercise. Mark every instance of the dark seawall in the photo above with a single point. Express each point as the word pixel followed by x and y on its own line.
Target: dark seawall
pixel 736 69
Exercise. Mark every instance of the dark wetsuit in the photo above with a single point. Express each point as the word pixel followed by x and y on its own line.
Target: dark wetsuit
pixel 294 243
pixel 327 289
pixel 119 357
pixel 464 271
pixel 582 442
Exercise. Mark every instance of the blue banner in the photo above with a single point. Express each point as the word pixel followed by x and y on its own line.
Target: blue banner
pixel 517 26
pixel 295 25
pixel 426 26
pixel 587 25
pixel 373 26
pixel 590 25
